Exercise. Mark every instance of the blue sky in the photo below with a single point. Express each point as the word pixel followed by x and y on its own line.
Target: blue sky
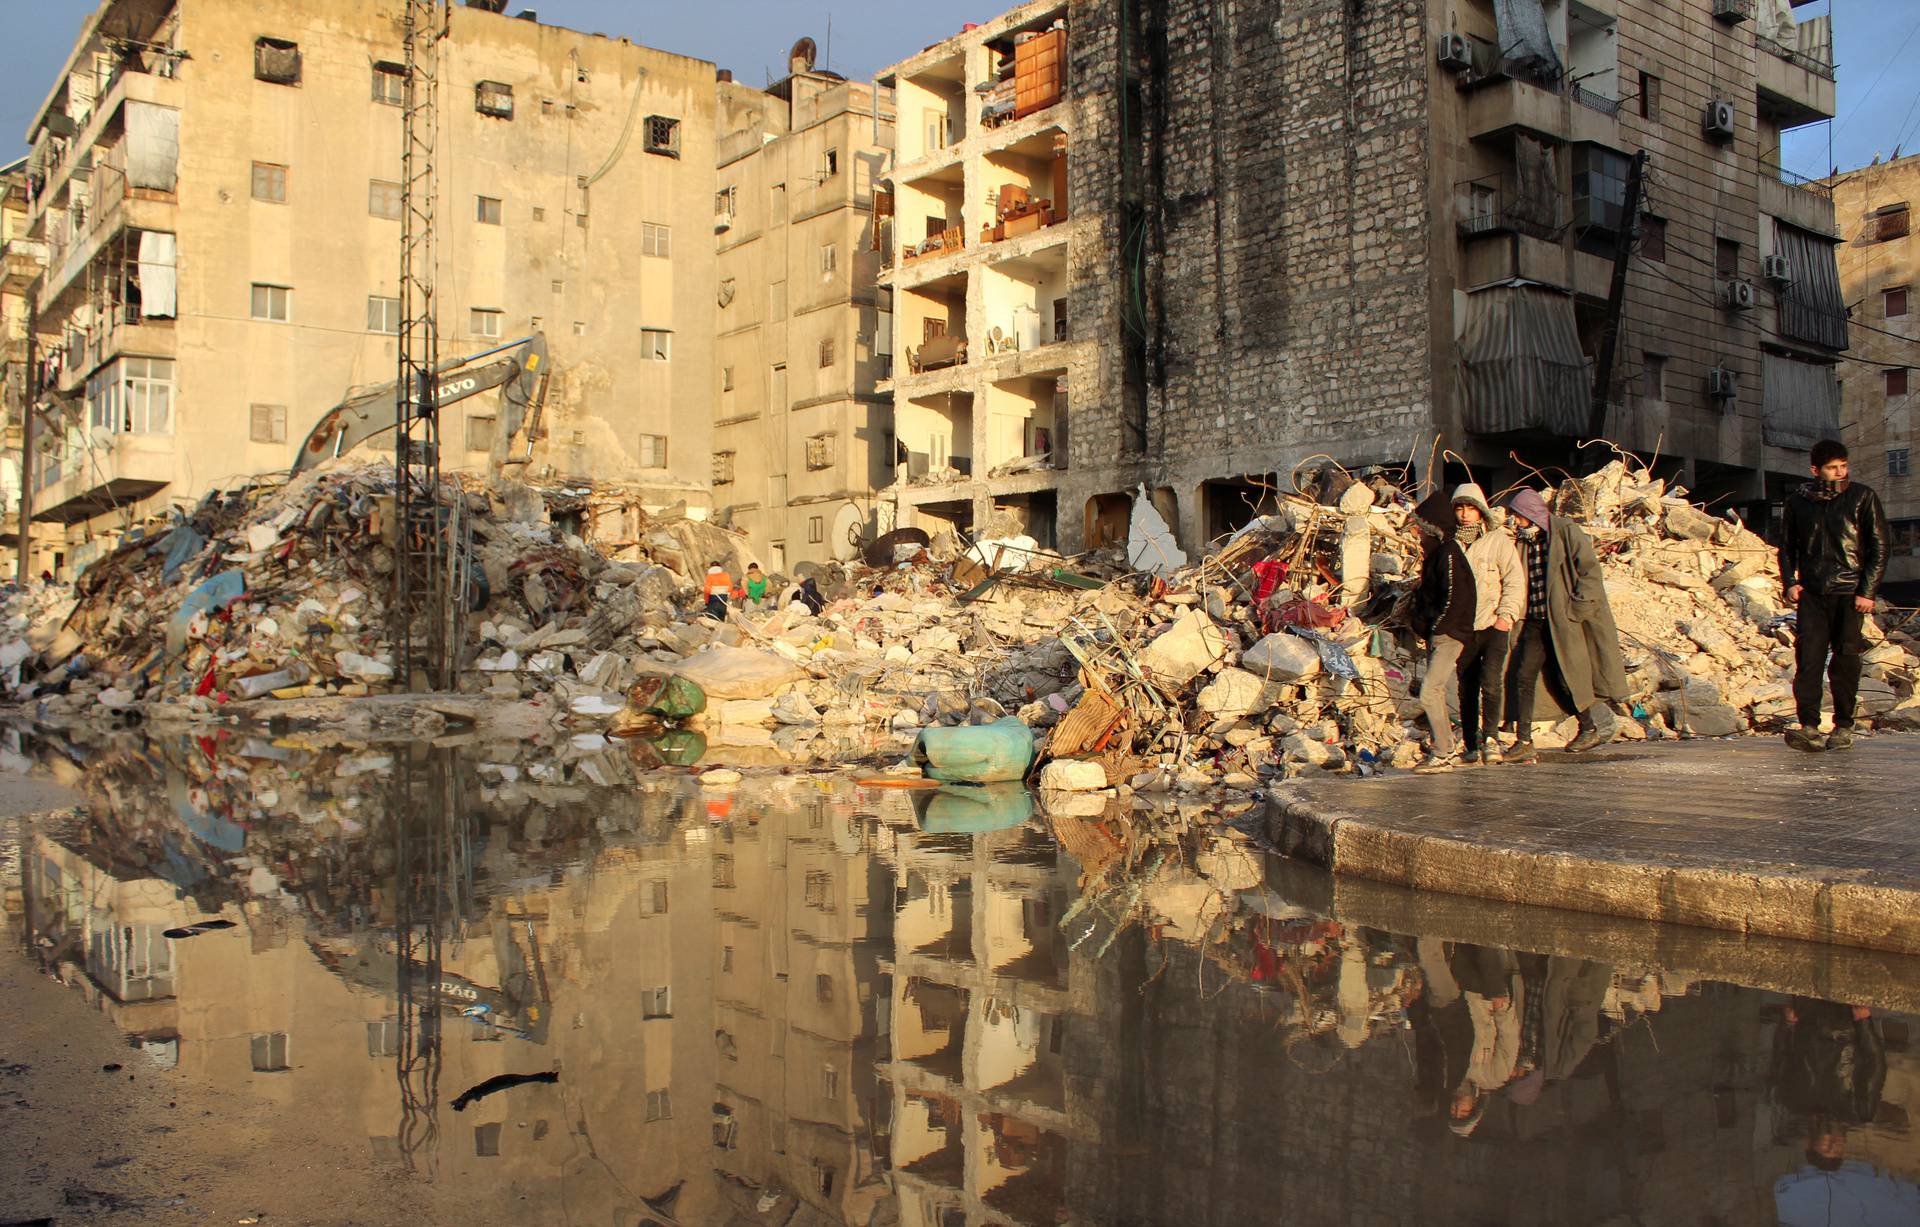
pixel 1878 49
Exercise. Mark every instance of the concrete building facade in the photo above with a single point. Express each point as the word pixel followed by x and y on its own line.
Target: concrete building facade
pixel 217 186
pixel 799 429
pixel 1357 233
pixel 1879 268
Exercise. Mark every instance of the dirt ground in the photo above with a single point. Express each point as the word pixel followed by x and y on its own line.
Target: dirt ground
pixel 96 1134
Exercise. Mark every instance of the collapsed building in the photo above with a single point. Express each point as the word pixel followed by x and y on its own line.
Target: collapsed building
pixel 1169 250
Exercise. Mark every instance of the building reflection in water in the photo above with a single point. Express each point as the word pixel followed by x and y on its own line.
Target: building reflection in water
pixel 798 1001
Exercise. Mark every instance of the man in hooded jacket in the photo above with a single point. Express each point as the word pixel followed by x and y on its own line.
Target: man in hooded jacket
pixel 1568 626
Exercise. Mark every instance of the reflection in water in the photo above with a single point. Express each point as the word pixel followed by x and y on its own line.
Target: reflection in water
pixel 801 1002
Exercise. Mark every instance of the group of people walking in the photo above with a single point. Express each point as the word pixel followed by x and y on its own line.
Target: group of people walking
pixel 1517 615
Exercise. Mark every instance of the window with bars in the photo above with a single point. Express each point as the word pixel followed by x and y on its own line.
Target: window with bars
pixel 383 199
pixel 267 423
pixel 272 302
pixel 484 321
pixel 493 98
pixel 390 83
pixel 656 240
pixel 656 345
pixel 820 449
pixel 723 476
pixel 663 135
pixel 653 451
pixel 383 314
pixel 270 182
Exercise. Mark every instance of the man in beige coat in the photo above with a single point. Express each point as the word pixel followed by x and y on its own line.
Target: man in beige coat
pixel 1475 650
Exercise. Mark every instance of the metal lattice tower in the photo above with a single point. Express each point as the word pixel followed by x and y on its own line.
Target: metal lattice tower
pixel 423 642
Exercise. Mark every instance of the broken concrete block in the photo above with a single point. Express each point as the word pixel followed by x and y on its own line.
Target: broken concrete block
pixel 1073 775
pixel 1688 522
pixel 1236 692
pixel 1184 650
pixel 1281 657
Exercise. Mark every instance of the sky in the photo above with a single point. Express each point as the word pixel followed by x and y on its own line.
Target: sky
pixel 1877 49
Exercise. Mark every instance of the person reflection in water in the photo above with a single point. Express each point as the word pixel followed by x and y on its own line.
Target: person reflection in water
pixel 1830 1066
pixel 1469 1027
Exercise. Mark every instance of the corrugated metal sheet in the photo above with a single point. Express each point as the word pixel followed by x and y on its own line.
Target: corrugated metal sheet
pixel 1800 403
pixel 1521 364
pixel 1811 308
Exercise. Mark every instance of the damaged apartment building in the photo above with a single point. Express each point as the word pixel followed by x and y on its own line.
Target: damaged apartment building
pixel 216 184
pixel 1177 249
pixel 799 429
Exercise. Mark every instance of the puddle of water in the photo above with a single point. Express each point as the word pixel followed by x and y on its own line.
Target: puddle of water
pixel 798 1000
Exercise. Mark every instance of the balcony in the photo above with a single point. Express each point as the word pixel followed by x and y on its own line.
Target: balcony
pixel 1497 109
pixel 97 479
pixel 20 263
pixel 1793 75
pixel 1798 203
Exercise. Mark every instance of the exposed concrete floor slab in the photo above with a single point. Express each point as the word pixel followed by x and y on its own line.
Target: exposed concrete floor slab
pixel 1746 835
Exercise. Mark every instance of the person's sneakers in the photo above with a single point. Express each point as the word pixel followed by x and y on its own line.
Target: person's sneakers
pixel 1805 739
pixel 1840 739
pixel 1490 755
pixel 1585 740
pixel 1436 764
pixel 1523 752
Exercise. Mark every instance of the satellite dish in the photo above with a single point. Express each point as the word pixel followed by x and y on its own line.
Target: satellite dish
pixel 801 58
pixel 845 521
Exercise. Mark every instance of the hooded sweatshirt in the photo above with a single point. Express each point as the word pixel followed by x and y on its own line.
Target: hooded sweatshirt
pixel 1499 577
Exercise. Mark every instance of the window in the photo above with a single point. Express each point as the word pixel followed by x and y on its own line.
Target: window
pixel 656 1002
pixel 276 61
pixel 826 352
pixel 656 240
pixel 486 210
pixel 1653 238
pixel 823 989
pixel 822 1179
pixel 820 452
pixel 539 214
pixel 726 379
pixel 267 423
pixel 726 958
pixel 816 530
pixel 726 206
pixel 830 165
pixel 484 322
pixel 656 345
pixel 132 396
pixel 819 890
pixel 383 315
pixel 829 1082
pixel 1649 97
pixel 1896 382
pixel 270 1053
pixel 722 476
pixel 776 301
pixel 480 434
pixel 1893 303
pixel 653 897
pixel 777 202
pixel 383 199
pixel 486 1140
pixel 659 1105
pixel 383 1039
pixel 390 83
pixel 829 260
pixel 1898 464
pixel 726 1130
pixel 270 182
pixel 1890 222
pixel 579 328
pixel 493 98
pixel 663 135
pixel 1653 376
pixel 271 302
pixel 935 119
pixel 1726 258
pixel 653 451
pixel 559 287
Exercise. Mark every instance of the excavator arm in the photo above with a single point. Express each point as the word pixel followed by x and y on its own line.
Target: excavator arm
pixel 521 374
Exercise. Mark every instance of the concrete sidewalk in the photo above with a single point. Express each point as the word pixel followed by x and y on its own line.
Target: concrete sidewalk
pixel 1746 835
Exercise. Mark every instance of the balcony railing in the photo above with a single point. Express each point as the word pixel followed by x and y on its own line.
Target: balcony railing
pixel 1496 205
pixel 1596 101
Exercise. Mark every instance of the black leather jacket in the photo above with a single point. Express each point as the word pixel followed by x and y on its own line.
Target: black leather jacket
pixel 1834 546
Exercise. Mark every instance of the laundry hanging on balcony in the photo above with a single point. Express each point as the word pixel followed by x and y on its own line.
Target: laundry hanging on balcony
pixel 1800 403
pixel 1525 42
pixel 1521 366
pixel 158 277
pixel 153 146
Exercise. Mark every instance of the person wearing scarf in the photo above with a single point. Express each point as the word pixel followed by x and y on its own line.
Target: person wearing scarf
pixel 1833 553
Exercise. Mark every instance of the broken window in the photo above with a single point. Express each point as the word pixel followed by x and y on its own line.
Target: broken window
pixel 390 83
pixel 383 199
pixel 726 206
pixel 484 321
pixel 383 314
pixel 493 98
pixel 663 135
pixel 723 476
pixel 656 240
pixel 487 210
pixel 830 165
pixel 819 456
pixel 276 60
pixel 267 423
pixel 480 433
pixel 272 302
pixel 656 345
pixel 653 451
pixel 270 182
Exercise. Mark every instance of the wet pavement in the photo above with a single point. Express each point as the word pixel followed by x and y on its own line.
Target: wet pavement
pixel 474 985
pixel 1745 834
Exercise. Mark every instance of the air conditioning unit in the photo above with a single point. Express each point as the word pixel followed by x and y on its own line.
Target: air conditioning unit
pixel 1777 269
pixel 1723 384
pixel 1732 11
pixel 1738 294
pixel 1454 53
pixel 1717 122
